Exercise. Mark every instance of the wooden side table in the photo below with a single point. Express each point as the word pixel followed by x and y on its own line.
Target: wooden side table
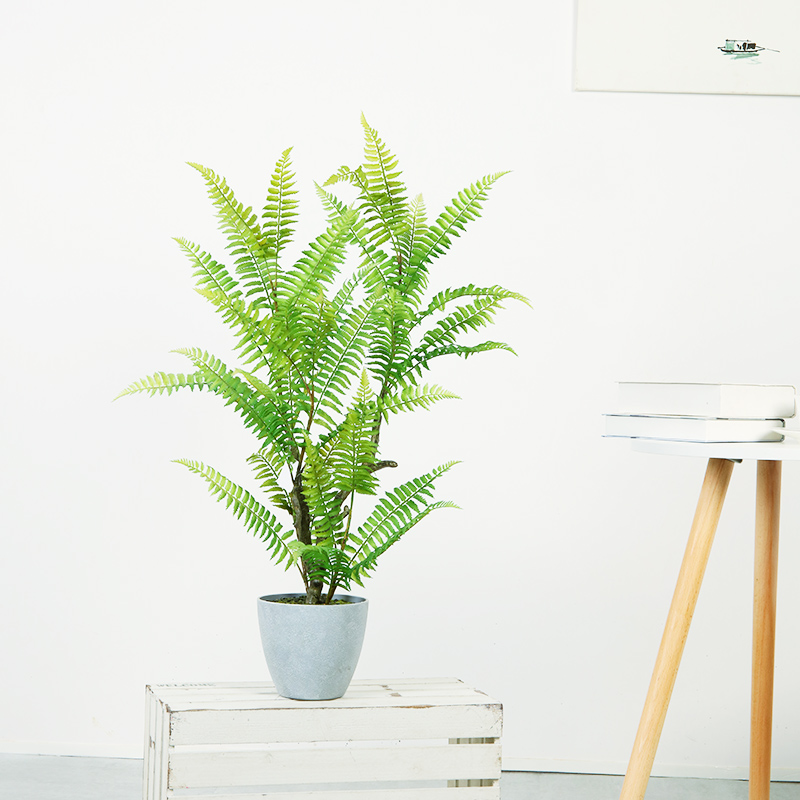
pixel 721 458
pixel 394 739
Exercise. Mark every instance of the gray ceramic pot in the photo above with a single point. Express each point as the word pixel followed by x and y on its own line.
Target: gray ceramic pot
pixel 312 651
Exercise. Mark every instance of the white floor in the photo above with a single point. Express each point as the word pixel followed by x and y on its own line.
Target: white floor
pixel 65 778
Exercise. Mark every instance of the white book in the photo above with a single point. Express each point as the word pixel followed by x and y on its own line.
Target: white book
pixel 725 400
pixel 693 429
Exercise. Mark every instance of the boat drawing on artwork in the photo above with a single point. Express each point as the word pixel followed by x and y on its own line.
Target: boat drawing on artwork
pixel 741 47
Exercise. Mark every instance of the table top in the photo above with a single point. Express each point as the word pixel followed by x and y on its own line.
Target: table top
pixel 787 450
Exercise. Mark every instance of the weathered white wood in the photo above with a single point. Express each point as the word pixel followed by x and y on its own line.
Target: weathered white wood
pixel 334 765
pixel 221 736
pixel 157 728
pixel 179 697
pixel 149 746
pixel 463 793
pixel 335 724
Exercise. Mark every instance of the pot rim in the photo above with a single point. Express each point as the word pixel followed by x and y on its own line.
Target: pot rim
pixel 350 599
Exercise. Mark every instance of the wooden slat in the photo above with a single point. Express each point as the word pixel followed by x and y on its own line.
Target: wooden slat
pixel 184 697
pixel 301 724
pixel 159 764
pixel 465 793
pixel 198 770
pixel 149 746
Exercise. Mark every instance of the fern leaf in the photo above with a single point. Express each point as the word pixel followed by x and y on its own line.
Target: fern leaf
pixel 280 212
pixel 391 344
pixel 252 332
pixel 358 571
pixel 440 300
pixel 415 277
pixel 341 363
pixel 464 208
pixel 266 418
pixel 353 456
pixel 318 265
pixel 211 275
pixel 245 240
pixel 383 198
pixel 321 494
pixel 413 397
pixel 377 267
pixel 166 382
pixel 257 519
pixel 268 475
pixel 396 509
pixel 421 360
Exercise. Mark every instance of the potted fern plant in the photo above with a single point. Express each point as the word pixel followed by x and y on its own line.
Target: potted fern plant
pixel 332 348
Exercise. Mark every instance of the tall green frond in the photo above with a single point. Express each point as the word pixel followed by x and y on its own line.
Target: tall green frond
pixel 245 240
pixel 280 212
pixel 321 494
pixel 465 207
pixel 415 276
pixel 353 454
pixel 384 199
pixel 318 265
pixel 260 522
pixel 391 344
pixel 378 268
pixel 340 364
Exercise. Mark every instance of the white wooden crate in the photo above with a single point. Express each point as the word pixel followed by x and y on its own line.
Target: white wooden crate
pixel 405 739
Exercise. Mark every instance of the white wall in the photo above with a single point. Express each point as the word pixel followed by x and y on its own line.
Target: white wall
pixel 622 220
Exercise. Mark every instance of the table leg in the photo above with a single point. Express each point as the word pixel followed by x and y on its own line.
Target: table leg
pixel 701 537
pixel 768 509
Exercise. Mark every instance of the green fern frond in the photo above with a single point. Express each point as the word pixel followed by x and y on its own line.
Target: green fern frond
pixel 440 300
pixel 378 269
pixel 340 364
pixel 395 514
pixel 384 199
pixel 321 494
pixel 466 206
pixel 415 276
pixel 280 212
pixel 243 232
pixel 421 360
pixel 268 475
pixel 413 397
pixel 210 275
pixel 166 382
pixel 391 343
pixel 360 569
pixel 252 332
pixel 257 519
pixel 266 418
pixel 318 265
pixel 353 455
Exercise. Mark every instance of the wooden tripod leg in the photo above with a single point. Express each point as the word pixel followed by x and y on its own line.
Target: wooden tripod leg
pixel 701 537
pixel 768 509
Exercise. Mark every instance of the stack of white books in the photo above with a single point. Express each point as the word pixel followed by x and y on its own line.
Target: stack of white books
pixel 701 412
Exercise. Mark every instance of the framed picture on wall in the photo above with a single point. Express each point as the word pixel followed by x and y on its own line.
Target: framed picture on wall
pixel 702 46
